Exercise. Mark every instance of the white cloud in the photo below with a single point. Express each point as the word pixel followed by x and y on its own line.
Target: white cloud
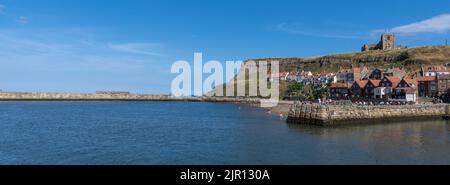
pixel 299 30
pixel 137 48
pixel 68 42
pixel 64 52
pixel 22 20
pixel 437 24
pixel 17 43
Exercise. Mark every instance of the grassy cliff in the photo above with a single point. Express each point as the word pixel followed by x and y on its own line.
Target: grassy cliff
pixel 410 59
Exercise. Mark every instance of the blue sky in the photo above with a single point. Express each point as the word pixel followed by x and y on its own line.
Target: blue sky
pixel 130 45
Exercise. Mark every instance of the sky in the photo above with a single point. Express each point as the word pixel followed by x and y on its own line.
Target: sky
pixel 130 45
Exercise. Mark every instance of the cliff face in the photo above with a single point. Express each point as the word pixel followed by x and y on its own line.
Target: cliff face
pixel 410 59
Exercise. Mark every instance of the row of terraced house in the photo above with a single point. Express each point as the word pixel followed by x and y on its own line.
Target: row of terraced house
pixel 305 78
pixel 431 81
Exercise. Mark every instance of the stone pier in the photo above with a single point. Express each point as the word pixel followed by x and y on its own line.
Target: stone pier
pixel 318 114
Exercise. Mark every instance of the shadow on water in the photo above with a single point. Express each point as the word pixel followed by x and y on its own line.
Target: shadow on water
pixel 367 125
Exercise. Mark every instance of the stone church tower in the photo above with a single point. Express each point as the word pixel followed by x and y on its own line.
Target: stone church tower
pixel 387 42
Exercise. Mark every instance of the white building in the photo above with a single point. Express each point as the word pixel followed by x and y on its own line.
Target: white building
pixel 436 72
pixel 411 96
pixel 379 92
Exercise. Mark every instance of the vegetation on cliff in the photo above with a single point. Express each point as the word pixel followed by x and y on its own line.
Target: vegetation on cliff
pixel 411 59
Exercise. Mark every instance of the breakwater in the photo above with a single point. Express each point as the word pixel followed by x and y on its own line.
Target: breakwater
pixel 32 96
pixel 319 114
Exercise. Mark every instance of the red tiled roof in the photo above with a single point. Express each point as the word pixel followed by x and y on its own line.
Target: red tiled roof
pixel 375 83
pixel 426 78
pixel 394 80
pixel 361 83
pixel 341 85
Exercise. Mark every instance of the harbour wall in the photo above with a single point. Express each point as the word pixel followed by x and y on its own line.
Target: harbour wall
pixel 318 114
pixel 31 96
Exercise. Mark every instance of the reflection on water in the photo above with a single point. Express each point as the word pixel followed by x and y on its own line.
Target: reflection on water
pixel 395 142
pixel 203 133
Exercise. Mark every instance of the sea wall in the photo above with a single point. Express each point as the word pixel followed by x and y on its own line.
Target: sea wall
pixel 318 114
pixel 22 96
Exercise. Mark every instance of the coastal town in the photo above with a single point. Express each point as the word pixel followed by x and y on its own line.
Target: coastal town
pixel 430 83
pixel 393 83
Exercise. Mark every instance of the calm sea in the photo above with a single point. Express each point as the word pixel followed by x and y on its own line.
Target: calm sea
pixel 202 133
